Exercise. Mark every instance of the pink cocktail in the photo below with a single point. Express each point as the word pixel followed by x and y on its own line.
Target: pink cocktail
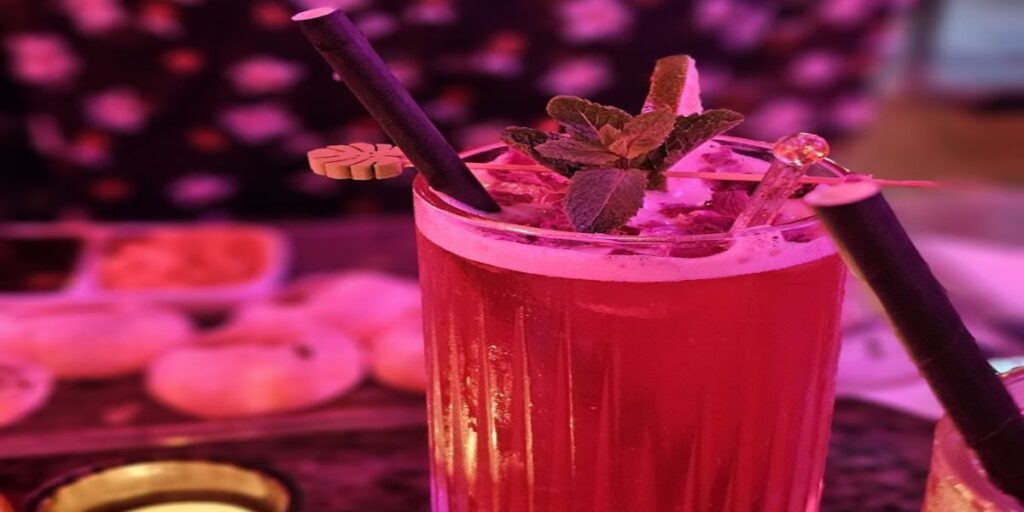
pixel 660 371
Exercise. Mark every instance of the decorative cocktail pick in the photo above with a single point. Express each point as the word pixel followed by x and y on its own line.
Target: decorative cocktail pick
pixel 384 167
pixel 947 355
pixel 794 155
pixel 347 51
pixel 358 161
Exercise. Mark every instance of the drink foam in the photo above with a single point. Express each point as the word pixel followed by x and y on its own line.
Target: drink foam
pixel 753 251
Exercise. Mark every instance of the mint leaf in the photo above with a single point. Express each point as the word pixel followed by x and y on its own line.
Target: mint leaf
pixel 525 140
pixel 670 85
pixel 583 118
pixel 643 133
pixel 599 200
pixel 689 132
pixel 607 134
pixel 577 151
pixel 657 181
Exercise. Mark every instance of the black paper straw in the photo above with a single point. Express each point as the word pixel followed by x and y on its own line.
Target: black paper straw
pixel 349 53
pixel 947 355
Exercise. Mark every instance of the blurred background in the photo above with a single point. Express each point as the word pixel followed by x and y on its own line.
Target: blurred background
pixel 154 195
pixel 175 109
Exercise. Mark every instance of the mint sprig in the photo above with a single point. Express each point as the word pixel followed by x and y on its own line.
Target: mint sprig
pixel 600 200
pixel 584 152
pixel 583 118
pixel 689 132
pixel 525 140
pixel 643 134
pixel 610 156
pixel 668 81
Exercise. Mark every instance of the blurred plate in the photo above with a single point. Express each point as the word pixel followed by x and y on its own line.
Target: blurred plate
pixel 84 284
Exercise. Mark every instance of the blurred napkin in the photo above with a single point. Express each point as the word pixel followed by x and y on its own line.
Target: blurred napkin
pixel 984 280
pixel 982 276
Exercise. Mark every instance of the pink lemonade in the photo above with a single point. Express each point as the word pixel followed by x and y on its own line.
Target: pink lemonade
pixel 613 373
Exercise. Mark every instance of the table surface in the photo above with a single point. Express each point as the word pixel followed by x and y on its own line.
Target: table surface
pixel 877 459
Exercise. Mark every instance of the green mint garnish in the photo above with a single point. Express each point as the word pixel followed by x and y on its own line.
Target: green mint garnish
pixel 525 140
pixel 607 135
pixel 688 133
pixel 583 152
pixel 643 134
pixel 583 118
pixel 599 200
pixel 668 82
pixel 610 156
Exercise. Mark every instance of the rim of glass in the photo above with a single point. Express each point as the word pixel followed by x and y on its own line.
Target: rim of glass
pixel 435 201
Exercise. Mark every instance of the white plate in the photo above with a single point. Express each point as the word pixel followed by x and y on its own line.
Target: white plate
pixel 83 287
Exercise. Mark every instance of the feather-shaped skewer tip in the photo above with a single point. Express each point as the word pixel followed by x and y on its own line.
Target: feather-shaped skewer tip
pixel 359 161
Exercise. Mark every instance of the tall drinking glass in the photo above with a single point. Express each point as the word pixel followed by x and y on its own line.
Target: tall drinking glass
pixel 956 481
pixel 594 372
